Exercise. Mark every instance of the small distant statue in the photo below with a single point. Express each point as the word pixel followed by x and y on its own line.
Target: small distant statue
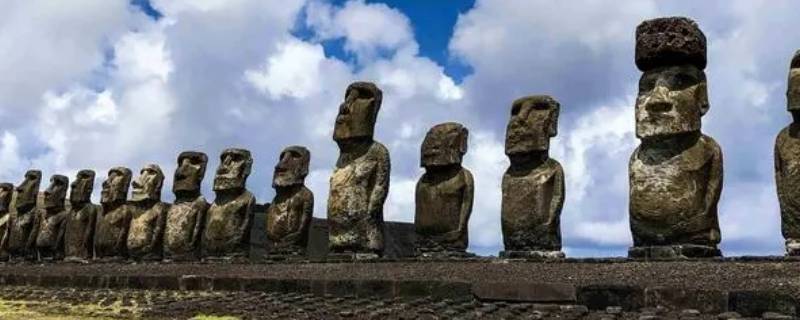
pixel 230 218
pixel 444 193
pixel 51 220
pixel 360 181
pixel 81 219
pixel 186 216
pixel 787 164
pixel 676 172
pixel 6 193
pixel 148 215
pixel 289 215
pixel 533 186
pixel 21 236
pixel 114 219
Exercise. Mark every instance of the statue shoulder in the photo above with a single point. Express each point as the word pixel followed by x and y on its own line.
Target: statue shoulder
pixel 377 149
pixel 711 146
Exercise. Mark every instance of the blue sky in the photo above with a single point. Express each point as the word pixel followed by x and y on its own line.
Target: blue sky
pixel 104 83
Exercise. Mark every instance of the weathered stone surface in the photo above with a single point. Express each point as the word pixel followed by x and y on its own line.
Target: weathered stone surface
pixel 6 193
pixel 533 186
pixel 114 218
pixel 81 219
pixel 230 217
pixel 600 296
pixel 289 215
pixel 148 215
pixel 444 193
pixel 185 218
pixel 787 164
pixel 669 41
pixel 360 181
pixel 676 172
pixel 521 291
pixel 21 238
pixel 51 220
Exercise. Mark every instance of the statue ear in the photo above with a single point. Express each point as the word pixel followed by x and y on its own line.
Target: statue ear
pixel 463 139
pixel 553 129
pixel 701 96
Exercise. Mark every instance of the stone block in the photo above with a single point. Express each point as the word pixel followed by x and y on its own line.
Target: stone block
pixel 755 303
pixel 598 297
pixel 705 301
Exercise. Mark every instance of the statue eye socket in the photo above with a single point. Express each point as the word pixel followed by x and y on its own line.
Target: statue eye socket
pixel 515 109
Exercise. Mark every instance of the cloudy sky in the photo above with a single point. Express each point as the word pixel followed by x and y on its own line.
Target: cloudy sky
pixel 101 83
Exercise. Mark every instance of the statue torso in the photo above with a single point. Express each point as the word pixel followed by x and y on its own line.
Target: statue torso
pixel 286 214
pixel 146 223
pixel 182 220
pixel 439 203
pixel 78 233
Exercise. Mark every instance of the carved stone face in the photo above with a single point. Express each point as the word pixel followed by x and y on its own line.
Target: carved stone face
pixel 147 185
pixel 6 191
pixel 55 194
pixel 793 92
pixel 81 189
pixel 115 188
pixel 190 172
pixel 292 167
pixel 534 120
pixel 233 170
pixel 671 101
pixel 358 112
pixel 445 144
pixel 28 190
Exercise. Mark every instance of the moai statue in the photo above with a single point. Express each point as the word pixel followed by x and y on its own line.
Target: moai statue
pixel 289 214
pixel 533 186
pixel 148 215
pixel 444 193
pixel 360 181
pixel 81 219
pixel 114 218
pixel 676 172
pixel 6 193
pixel 21 238
pixel 230 218
pixel 186 216
pixel 51 220
pixel 787 164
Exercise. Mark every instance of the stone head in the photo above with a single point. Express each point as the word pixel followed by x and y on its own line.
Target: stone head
pixel 28 190
pixel 793 91
pixel 673 95
pixel 233 170
pixel 115 188
pixel 56 192
pixel 358 112
pixel 190 172
pixel 82 188
pixel 6 192
pixel 444 144
pixel 147 185
pixel 292 167
pixel 534 120
pixel 671 101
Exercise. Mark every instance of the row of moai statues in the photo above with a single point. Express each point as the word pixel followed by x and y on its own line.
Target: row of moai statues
pixel 675 178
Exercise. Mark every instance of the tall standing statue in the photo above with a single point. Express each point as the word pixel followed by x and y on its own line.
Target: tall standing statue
pixel 289 215
pixel 360 181
pixel 148 215
pixel 6 193
pixel 50 220
pixel 787 164
pixel 230 218
pixel 114 218
pixel 186 216
pixel 444 193
pixel 676 172
pixel 533 186
pixel 81 219
pixel 21 237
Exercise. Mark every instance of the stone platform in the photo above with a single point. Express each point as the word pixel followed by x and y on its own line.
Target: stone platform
pixel 749 286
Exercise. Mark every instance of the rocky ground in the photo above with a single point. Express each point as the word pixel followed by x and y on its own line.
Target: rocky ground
pixel 43 303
